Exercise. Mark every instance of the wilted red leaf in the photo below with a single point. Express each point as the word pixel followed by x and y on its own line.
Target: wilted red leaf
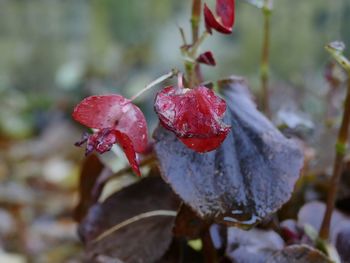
pixel 247 178
pixel 113 111
pixel 206 58
pixel 128 147
pixel 193 115
pixel 223 23
pixel 117 121
pixel 133 225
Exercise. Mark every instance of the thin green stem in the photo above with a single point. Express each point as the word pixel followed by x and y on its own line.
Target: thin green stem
pixel 157 81
pixel 341 148
pixel 190 63
pixel 197 44
pixel 129 221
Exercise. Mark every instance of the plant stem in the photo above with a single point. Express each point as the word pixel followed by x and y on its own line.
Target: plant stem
pixel 264 67
pixel 197 44
pixel 341 147
pixel 190 65
pixel 162 78
pixel 195 18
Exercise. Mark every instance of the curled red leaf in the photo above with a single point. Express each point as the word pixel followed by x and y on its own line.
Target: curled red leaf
pixel 194 115
pixel 206 58
pixel 117 120
pixel 223 20
pixel 127 145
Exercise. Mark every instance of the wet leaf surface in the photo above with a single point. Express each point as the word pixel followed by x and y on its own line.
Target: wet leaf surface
pixel 252 246
pixel 248 177
pixel 133 225
pixel 193 115
pixel 298 254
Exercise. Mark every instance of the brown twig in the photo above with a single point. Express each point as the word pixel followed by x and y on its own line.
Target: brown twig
pixel 190 65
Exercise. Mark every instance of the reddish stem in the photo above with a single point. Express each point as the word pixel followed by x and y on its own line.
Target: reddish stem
pixel 190 66
pixel 196 16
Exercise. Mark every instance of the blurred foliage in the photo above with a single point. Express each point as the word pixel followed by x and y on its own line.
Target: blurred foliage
pixel 67 49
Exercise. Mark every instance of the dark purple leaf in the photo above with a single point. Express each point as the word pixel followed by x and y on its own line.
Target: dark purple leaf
pixel 133 225
pixel 298 254
pixel 206 58
pixel 247 178
pixel 343 244
pixel 91 170
pixel 252 246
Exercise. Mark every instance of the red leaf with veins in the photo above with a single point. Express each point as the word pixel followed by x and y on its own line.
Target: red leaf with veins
pixel 194 116
pixel 115 112
pixel 206 58
pixel 117 120
pixel 224 19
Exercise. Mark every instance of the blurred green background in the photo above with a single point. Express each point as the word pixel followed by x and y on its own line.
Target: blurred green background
pixel 53 53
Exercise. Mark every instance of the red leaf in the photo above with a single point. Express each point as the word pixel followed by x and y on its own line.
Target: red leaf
pixel 194 116
pixel 125 142
pixel 203 145
pixel 118 121
pixel 206 58
pixel 224 19
pixel 113 112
